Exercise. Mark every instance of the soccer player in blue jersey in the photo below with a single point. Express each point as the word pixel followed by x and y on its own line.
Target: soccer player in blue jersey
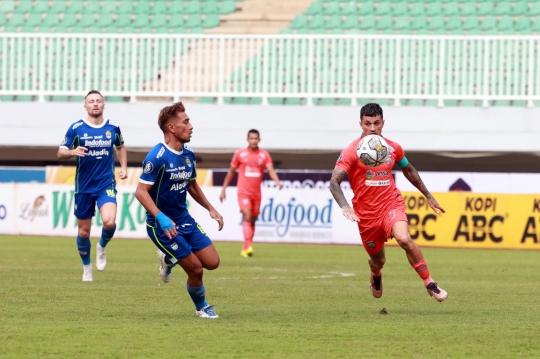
pixel 168 175
pixel 92 142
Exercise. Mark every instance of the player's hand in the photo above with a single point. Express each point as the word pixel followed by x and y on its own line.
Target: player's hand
pixel 171 233
pixel 167 225
pixel 215 215
pixel 222 196
pixel 279 186
pixel 122 173
pixel 79 151
pixel 349 213
pixel 435 205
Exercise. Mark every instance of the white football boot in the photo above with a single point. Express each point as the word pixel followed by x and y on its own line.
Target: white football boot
pixel 87 274
pixel 165 269
pixel 101 257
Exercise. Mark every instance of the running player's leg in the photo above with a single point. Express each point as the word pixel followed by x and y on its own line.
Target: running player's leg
pixel 255 211
pixel 106 202
pixel 373 238
pixel 248 229
pixel 84 211
pixel 400 231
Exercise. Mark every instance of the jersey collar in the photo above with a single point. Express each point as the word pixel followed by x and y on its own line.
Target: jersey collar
pixel 94 126
pixel 173 151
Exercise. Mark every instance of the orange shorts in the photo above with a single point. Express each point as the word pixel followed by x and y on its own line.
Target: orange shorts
pixel 375 232
pixel 250 202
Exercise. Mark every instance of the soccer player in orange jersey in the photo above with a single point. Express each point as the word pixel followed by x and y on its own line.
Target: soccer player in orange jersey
pixel 378 207
pixel 250 162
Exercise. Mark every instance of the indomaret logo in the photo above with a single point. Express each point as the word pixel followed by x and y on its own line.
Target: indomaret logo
pixel 295 215
pixel 98 143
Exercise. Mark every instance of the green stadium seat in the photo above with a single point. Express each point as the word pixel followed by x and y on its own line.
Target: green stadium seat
pixel 50 20
pixel 276 101
pixel 24 98
pixel 141 20
pixel 146 30
pixel 332 8
pixel 59 6
pixel 87 20
pixel 505 23
pixel 419 22
pixel 207 100
pixel 142 8
pixel 383 8
pixel 60 29
pixel 400 8
pixel 92 7
pixel 503 8
pixel 33 20
pixel 28 28
pixel 95 30
pixel 300 21
pixel 24 7
pixel 316 22
pixel 76 7
pixel 337 31
pixel 350 8
pixel 333 22
pixel 290 101
pixel 451 9
pixel 523 23
pixel 417 8
pixel 69 20
pixel 385 22
pixel 489 22
pixel 193 21
pixel 109 7
pixel 227 7
pixel 211 20
pixel 123 20
pixel 40 7
pixel 453 22
pixel 367 8
pixel 44 29
pixel 210 7
pixel 368 22
pixel 159 20
pixel 286 31
pixel 16 20
pixel 176 21
pixel 160 7
pixel 105 19
pixel 128 30
pixel 403 22
pixel 112 30
pixel 520 8
pixel 468 8
pixel 437 22
pixel 536 25
pixel 3 19
pixel 11 28
pixel 434 9
pixel 316 8
pixel 7 6
pixel 471 23
pixel 486 8
pixel 351 22
pixel 125 7
pixel 193 7
pixel 535 9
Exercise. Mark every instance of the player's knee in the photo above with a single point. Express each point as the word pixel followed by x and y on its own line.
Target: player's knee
pixel 405 241
pixel 84 232
pixel 214 264
pixel 377 263
pixel 196 272
pixel 108 223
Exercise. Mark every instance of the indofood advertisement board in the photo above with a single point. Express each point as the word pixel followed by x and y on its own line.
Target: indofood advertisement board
pixel 291 216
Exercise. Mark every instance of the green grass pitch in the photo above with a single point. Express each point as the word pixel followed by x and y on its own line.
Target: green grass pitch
pixel 288 301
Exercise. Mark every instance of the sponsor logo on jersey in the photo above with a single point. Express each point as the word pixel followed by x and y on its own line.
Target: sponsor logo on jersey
pixel 179 186
pixel 370 244
pixel 64 141
pixel 96 137
pixel 160 153
pixel 174 246
pixel 108 134
pixel 188 162
pixel 98 143
pixel 148 167
pixel 180 176
pixel 243 154
pixel 388 160
pixel 96 153
pixel 340 157
pixel 171 165
pixel 369 174
pixel 378 183
pixel 85 137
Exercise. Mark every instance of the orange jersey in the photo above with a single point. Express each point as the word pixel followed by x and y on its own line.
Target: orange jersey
pixel 374 188
pixel 251 165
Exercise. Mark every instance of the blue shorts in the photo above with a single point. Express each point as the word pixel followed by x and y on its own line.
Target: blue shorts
pixel 190 238
pixel 85 203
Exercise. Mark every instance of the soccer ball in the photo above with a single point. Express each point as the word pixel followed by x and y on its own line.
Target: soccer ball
pixel 372 150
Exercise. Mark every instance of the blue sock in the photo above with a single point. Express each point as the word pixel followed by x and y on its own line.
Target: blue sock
pixel 197 296
pixel 84 245
pixel 106 235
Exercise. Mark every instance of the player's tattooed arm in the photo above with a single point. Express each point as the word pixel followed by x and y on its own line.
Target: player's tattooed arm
pixel 337 192
pixel 414 177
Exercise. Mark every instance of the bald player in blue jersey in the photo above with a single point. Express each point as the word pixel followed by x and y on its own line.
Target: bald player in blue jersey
pixel 93 141
pixel 168 175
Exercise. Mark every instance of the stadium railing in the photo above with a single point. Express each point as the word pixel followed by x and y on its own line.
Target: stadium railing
pixel 348 68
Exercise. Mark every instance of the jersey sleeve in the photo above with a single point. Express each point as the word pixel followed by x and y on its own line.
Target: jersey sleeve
pixel 268 159
pixel 194 171
pixel 346 159
pixel 235 162
pixel 400 153
pixel 151 166
pixel 69 139
pixel 119 140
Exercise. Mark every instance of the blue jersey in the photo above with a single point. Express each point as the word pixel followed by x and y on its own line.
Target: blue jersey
pixel 95 171
pixel 169 172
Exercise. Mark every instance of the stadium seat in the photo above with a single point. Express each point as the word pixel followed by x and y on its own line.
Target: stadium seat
pixel 434 9
pixel 451 9
pixel 488 23
pixel 486 8
pixel 523 23
pixel 300 21
pixel 193 7
pixel 87 20
pixel 142 8
pixel 505 23
pixel 350 8
pixel 468 9
pixel 535 9
pixel 76 7
pixel 193 21
pixel 503 8
pixel 211 20
pixel 351 22
pixel 141 20
pixel 105 19
pixel 367 8
pixel 453 23
pixel 471 23
pixel 16 20
pixel 417 8
pixel 333 22
pixel 316 8
pixel 176 21
pixel 160 7
pixel 437 22
pixel 383 8
pixel 403 22
pixel 368 22
pixel 332 9
pixel 123 20
pixel 400 9
pixel 24 7
pixel 7 6
pixel 317 21
pixel 125 7
pixel 92 7
pixel 33 20
pixel 40 7
pixel 210 8
pixel 520 8
pixel 227 7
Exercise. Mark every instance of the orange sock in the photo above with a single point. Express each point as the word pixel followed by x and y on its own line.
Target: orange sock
pixel 423 271
pixel 249 231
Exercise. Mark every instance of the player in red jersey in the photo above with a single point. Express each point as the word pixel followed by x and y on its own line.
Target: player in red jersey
pixel 378 206
pixel 250 162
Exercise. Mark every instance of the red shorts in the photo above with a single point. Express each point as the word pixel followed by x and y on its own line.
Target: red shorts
pixel 250 202
pixel 375 232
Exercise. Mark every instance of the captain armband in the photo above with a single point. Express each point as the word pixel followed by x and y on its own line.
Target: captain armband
pixel 403 162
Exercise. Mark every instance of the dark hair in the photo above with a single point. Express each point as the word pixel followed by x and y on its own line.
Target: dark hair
pixel 93 92
pixel 169 112
pixel 371 110
pixel 254 131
